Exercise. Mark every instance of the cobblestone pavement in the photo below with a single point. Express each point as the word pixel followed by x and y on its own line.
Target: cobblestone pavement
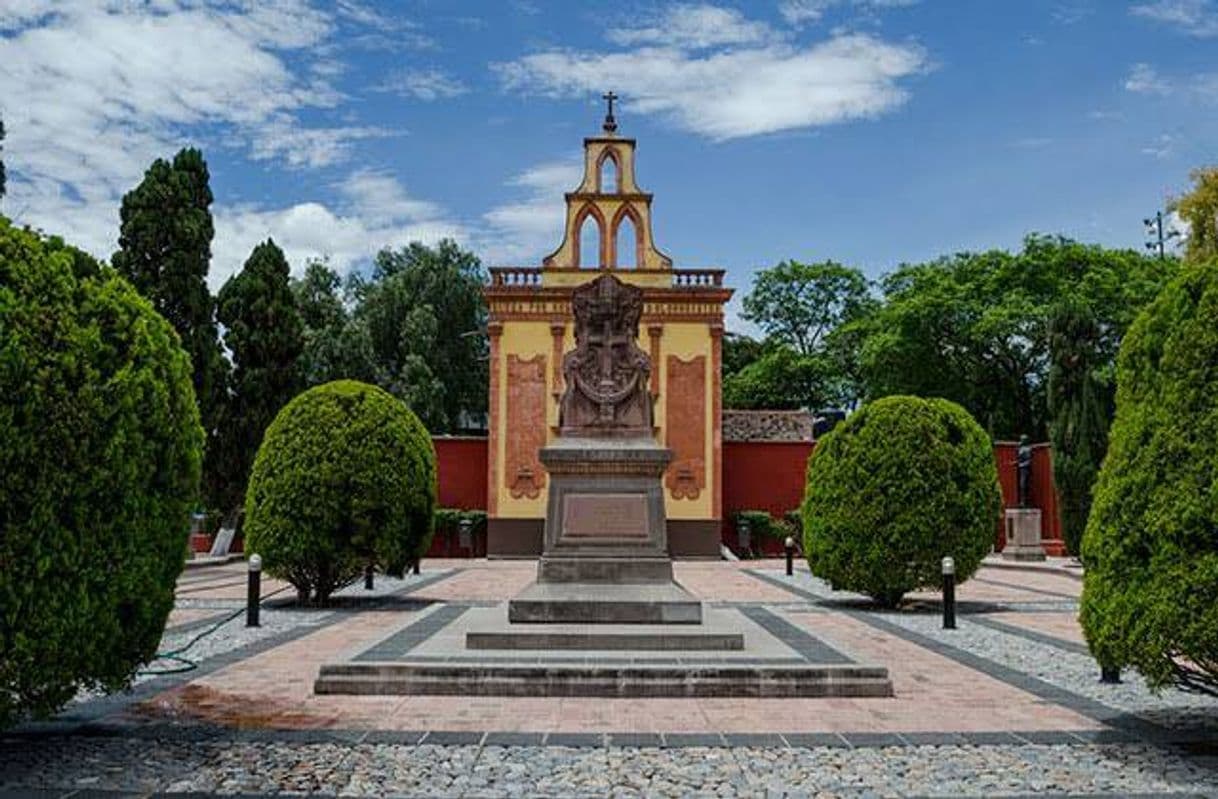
pixel 1008 704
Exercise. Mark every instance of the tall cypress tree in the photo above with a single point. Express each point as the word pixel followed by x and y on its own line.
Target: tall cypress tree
pixel 165 250
pixel 1080 408
pixel 263 331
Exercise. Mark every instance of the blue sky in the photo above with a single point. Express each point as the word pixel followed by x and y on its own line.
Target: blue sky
pixel 867 131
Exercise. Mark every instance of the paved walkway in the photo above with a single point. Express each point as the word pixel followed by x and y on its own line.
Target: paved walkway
pixel 1007 704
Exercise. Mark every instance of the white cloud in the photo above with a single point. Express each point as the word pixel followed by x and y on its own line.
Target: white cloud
pixel 731 93
pixel 1199 87
pixel 1144 79
pixel 798 12
pixel 1194 17
pixel 1161 147
pixel 695 27
pixel 92 91
pixel 523 232
pixel 422 84
pixel 374 211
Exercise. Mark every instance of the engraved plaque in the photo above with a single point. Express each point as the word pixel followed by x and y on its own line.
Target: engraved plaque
pixel 604 516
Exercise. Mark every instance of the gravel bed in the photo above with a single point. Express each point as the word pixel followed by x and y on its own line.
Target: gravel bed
pixel 359 770
pixel 1072 671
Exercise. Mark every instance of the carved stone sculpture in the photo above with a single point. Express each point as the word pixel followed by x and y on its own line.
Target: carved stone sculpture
pixel 1023 464
pixel 606 374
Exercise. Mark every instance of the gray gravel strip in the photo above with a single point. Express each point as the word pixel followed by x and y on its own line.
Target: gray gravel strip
pixel 380 769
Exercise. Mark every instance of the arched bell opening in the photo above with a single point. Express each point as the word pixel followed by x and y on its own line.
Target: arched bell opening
pixel 608 174
pixel 627 239
pixel 590 238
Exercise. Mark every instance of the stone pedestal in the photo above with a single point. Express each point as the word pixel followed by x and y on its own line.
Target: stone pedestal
pixel 1023 535
pixel 605 518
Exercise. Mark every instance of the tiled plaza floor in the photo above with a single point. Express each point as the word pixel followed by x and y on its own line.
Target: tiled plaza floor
pixel 1008 704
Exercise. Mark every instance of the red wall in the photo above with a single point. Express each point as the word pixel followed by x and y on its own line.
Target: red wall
pixel 757 475
pixel 762 475
pixel 769 476
pixel 461 474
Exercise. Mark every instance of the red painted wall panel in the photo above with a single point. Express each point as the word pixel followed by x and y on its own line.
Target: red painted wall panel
pixel 461 474
pixel 762 475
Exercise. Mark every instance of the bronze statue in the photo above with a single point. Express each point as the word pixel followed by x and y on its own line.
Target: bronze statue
pixel 606 374
pixel 1023 462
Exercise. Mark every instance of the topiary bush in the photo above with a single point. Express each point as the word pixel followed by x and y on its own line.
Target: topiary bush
pixel 100 451
pixel 1150 591
pixel 345 477
pixel 899 485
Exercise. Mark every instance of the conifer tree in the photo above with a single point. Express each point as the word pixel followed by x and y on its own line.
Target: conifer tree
pixel 1080 405
pixel 263 332
pixel 165 250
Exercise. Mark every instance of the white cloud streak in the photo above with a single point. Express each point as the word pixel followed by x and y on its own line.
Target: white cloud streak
pixel 92 91
pixel 734 93
pixel 1194 17
pixel 522 232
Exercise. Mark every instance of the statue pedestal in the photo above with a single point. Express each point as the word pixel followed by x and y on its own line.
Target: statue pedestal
pixel 605 556
pixel 1023 535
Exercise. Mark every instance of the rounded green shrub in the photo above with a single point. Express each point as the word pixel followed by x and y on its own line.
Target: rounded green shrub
pixel 1150 592
pixel 345 477
pixel 899 485
pixel 100 451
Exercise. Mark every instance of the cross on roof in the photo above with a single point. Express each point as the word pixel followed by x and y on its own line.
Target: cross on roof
pixel 610 123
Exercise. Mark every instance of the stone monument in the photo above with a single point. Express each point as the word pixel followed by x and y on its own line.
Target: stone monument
pixel 1023 523
pixel 605 552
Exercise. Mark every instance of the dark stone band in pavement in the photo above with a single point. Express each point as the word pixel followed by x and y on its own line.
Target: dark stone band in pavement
pixel 1032 635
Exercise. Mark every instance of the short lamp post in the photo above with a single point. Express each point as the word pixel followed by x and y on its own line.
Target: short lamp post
pixel 789 546
pixel 465 534
pixel 369 577
pixel 253 596
pixel 949 594
pixel 744 535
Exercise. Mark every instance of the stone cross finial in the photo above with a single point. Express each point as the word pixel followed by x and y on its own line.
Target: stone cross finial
pixel 610 123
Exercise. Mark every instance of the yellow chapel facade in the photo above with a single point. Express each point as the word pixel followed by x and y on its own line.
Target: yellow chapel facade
pixel 531 327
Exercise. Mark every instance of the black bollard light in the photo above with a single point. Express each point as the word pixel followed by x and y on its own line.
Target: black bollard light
pixel 1110 675
pixel 789 546
pixel 368 577
pixel 416 565
pixel 253 597
pixel 949 594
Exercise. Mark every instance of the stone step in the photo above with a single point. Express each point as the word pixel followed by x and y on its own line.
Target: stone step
pixel 593 640
pixel 550 680
pixel 602 603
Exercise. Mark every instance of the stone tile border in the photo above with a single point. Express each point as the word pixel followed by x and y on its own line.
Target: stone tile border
pixel 1141 729
pixel 85 713
pixel 1032 635
pixel 201 733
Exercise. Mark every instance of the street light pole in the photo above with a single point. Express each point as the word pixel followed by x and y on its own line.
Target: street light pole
pixel 1158 237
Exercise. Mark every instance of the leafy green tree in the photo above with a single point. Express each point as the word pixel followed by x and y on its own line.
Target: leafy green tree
pixel 1150 592
pixel 801 304
pixel 739 351
pixel 264 334
pixel 425 316
pixel 345 477
pixel 100 449
pixel 1079 405
pixel 337 345
pixel 1199 208
pixel 783 379
pixel 899 485
pixel 973 327
pixel 165 250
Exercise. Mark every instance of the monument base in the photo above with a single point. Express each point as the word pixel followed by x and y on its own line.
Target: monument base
pixel 1023 535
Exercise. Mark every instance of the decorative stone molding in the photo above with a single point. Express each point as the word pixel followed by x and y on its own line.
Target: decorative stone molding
pixel 767 426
